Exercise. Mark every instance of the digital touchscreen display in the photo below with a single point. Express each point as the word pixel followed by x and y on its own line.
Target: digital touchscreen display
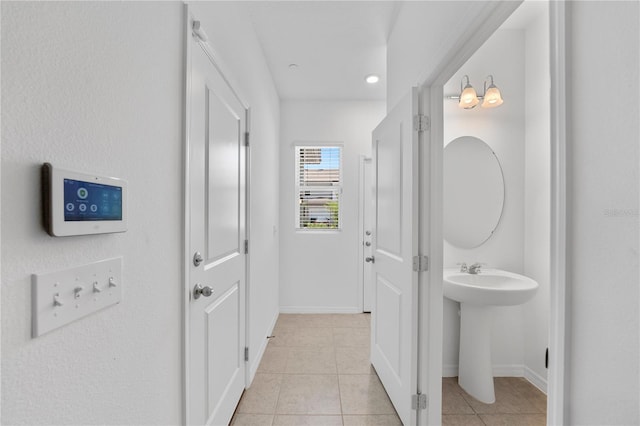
pixel 86 201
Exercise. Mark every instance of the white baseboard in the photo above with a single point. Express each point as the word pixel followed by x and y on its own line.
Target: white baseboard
pixel 513 370
pixel 256 361
pixel 508 370
pixel 450 370
pixel 318 310
pixel 535 379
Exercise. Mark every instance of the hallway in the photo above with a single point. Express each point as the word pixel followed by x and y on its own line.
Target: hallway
pixel 316 371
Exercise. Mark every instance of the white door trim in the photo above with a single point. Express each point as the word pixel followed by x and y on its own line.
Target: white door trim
pixel 361 231
pixel 186 290
pixel 361 161
pixel 187 258
pixel 559 330
pixel 431 234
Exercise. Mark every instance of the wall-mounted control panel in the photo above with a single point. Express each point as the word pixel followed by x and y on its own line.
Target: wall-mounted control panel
pixel 77 203
pixel 61 297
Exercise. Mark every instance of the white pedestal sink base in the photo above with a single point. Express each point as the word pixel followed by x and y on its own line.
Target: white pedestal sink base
pixel 475 371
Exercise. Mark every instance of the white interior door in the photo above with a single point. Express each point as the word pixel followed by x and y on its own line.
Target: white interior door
pixel 216 234
pixel 366 232
pixel 394 341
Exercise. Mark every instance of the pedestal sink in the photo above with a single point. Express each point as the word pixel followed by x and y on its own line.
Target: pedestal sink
pixel 477 293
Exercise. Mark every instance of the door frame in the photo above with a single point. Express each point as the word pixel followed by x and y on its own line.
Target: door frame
pixel 186 260
pixel 431 104
pixel 361 222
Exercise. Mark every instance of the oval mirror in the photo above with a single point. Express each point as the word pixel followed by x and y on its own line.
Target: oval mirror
pixel 473 192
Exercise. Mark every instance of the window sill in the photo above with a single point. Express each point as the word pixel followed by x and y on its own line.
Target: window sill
pixel 318 231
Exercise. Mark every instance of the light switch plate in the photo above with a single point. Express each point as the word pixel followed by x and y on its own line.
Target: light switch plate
pixel 61 297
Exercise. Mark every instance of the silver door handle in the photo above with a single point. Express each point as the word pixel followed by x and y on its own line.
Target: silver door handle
pixel 199 290
pixel 370 259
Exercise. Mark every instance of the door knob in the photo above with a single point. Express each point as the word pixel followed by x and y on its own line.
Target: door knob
pixel 370 259
pixel 368 244
pixel 199 290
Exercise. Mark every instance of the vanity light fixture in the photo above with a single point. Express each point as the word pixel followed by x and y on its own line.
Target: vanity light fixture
pixel 468 97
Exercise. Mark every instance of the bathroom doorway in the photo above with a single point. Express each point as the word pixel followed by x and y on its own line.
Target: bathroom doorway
pixel 523 140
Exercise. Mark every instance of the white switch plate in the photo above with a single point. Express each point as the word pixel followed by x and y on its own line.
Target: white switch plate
pixel 61 297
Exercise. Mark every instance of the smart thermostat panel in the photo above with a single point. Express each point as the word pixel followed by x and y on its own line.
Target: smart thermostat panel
pixel 79 204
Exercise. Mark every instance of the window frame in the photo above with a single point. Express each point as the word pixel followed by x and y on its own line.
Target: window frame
pixel 337 188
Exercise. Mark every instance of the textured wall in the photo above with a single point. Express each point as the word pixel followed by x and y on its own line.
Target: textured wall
pixel 603 213
pixel 98 87
pixel 95 87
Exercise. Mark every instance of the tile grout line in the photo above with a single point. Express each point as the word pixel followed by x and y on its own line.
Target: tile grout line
pixel 335 357
pixel 275 409
pixel 333 347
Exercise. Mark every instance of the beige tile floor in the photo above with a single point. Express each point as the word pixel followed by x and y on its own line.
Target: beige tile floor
pixel 518 403
pixel 316 371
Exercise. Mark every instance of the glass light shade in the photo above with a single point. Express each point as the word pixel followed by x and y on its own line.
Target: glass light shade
pixel 468 97
pixel 492 98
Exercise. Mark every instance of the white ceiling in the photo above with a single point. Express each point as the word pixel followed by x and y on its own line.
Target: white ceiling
pixel 335 44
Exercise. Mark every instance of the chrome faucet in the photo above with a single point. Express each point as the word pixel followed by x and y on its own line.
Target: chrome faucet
pixel 475 268
pixel 463 267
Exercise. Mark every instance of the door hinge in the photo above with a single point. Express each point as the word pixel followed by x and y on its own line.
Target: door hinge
pixel 421 123
pixel 246 138
pixel 420 263
pixel 246 353
pixel 419 401
pixel 246 246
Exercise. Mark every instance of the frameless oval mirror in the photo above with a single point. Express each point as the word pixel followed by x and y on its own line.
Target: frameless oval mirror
pixel 473 192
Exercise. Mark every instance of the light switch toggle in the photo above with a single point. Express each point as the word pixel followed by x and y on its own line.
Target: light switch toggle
pixel 56 300
pixel 61 297
pixel 77 291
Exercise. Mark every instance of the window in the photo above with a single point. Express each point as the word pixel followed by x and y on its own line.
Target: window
pixel 318 187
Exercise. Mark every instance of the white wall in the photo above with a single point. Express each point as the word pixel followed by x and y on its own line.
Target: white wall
pixel 426 34
pixel 603 212
pixel 99 87
pixel 537 202
pixel 503 129
pixel 242 55
pixel 332 285
pixel 423 34
pixel 94 87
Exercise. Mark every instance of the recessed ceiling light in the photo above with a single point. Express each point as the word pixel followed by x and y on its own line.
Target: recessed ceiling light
pixel 372 79
pixel 293 66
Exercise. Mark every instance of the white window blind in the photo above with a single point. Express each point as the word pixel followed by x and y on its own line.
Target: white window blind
pixel 318 187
